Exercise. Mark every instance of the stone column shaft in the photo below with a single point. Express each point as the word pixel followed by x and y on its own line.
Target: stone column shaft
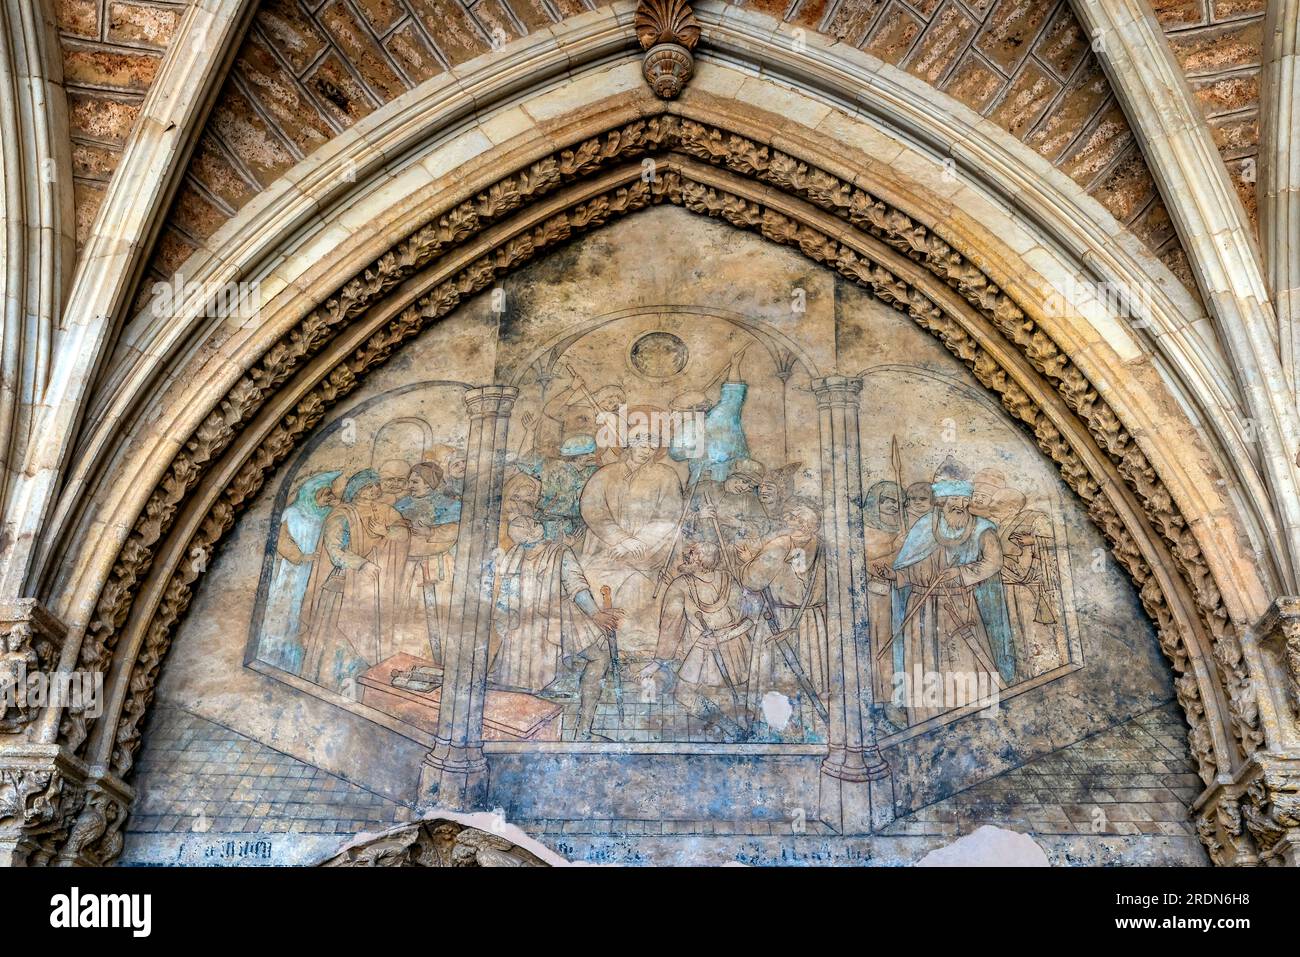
pixel 857 791
pixel 454 774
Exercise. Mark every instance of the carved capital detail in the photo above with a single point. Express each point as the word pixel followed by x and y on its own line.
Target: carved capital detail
pixel 1279 632
pixel 668 32
pixel 30 640
pixel 435 843
pixel 41 792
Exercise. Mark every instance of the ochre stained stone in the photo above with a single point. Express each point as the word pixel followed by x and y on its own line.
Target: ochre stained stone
pixel 1097 149
pixel 87 197
pixel 1083 96
pixel 1025 101
pixel 337 91
pixel 1128 187
pixel 895 35
pixel 974 82
pixel 382 15
pixel 294 36
pixel 940 45
pixel 1173 14
pixel 86 66
pixel 1218 49
pixel 500 28
pixel 851 21
pixel 1063 45
pixel 1227 94
pixel 362 52
pixel 142 23
pixel 78 17
pixel 1236 136
pixel 453 30
pixel 407 47
pixel 216 173
pixel 1010 30
pixel 281 97
pixel 93 160
pixel 249 137
pixel 100 117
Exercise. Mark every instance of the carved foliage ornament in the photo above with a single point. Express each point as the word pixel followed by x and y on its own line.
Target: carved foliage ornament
pixel 744 158
pixel 668 32
pixel 435 843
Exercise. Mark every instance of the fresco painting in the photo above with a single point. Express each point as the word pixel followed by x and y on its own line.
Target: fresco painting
pixel 668 578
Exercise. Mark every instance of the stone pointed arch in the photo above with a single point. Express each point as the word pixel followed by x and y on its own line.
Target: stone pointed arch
pixel 175 498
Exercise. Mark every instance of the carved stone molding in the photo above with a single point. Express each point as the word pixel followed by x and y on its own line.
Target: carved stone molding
pixel 852 232
pixel 667 31
pixel 437 842
pixel 41 792
pixel 30 641
pixel 1279 631
pixel 1255 819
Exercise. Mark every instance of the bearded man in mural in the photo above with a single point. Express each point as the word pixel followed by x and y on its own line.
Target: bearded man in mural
pixel 546 619
pixel 949 611
pixel 357 593
pixel 633 509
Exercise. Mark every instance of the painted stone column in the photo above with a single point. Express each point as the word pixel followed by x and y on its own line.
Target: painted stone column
pixel 454 774
pixel 856 793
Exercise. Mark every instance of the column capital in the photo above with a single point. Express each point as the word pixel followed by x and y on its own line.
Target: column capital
pixel 837 390
pixel 1278 631
pixel 30 642
pixel 496 400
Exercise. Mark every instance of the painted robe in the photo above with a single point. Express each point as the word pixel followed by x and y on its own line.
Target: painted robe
pixel 299 534
pixel 1032 585
pixel 537 621
pixel 620 502
pixel 693 604
pixel 791 572
pixel 960 628
pixel 354 615
pixel 723 439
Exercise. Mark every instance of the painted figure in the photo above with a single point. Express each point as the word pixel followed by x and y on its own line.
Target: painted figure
pixel 547 618
pixel 788 572
pixel 355 597
pixel 632 509
pixel 295 550
pixel 949 611
pixel 705 636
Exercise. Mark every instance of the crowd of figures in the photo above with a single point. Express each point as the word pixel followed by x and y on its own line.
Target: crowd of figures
pixel 649 550
pixel 361 567
pixel 964 583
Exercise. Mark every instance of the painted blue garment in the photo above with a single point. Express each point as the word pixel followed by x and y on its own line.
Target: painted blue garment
pixel 281 622
pixel 723 439
pixel 990 597
pixel 418 509
pixel 560 502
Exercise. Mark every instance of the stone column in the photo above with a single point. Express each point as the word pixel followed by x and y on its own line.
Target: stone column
pixel 856 787
pixel 454 774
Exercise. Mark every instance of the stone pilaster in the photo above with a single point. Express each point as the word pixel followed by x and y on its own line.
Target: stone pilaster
pixel 856 788
pixel 454 774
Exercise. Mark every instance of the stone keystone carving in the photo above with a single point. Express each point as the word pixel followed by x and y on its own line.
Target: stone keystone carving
pixel 668 31
pixel 437 842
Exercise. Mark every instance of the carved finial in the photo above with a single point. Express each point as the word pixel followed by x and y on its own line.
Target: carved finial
pixel 668 31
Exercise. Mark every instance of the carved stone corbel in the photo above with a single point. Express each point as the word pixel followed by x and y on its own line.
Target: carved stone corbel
pixel 1255 818
pixel 437 842
pixel 41 792
pixel 95 838
pixel 30 639
pixel 668 32
pixel 1279 633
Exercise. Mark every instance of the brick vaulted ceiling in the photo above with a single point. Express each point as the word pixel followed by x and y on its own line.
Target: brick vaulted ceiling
pixel 309 69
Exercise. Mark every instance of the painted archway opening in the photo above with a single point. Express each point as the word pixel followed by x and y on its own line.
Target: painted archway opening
pixel 655 345
pixel 899 260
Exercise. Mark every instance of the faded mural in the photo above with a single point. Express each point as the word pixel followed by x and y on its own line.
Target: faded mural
pixel 667 580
